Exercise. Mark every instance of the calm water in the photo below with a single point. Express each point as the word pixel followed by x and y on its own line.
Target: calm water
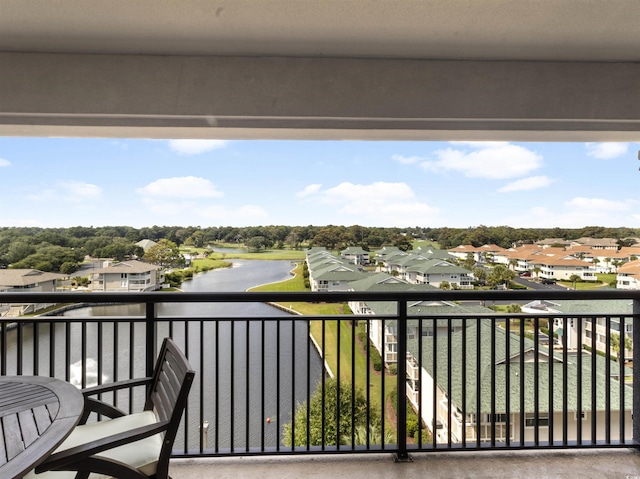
pixel 272 354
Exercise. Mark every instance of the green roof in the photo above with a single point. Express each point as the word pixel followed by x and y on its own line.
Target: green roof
pixel 450 375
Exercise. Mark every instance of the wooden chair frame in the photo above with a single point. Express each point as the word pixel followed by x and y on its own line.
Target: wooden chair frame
pixel 167 394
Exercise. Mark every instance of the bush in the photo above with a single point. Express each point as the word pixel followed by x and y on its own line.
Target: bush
pixel 426 436
pixel 393 369
pixel 412 426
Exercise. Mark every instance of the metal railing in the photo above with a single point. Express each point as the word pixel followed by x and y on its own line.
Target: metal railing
pixel 264 383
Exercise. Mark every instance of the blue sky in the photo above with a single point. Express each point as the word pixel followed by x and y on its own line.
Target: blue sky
pixel 59 182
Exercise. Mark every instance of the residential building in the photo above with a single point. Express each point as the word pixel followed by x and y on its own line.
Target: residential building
pixel 481 392
pixel 355 254
pixel 127 276
pixel 563 267
pixel 27 280
pixel 383 333
pixel 580 331
pixel 596 243
pixel 628 276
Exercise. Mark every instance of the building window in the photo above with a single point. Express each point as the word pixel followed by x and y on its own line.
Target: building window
pixel 530 420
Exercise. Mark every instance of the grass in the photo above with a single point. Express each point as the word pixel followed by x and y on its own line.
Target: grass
pixel 275 254
pixel 603 280
pixel 425 244
pixel 330 348
pixel 209 263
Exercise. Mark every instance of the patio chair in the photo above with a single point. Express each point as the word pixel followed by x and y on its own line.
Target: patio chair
pixel 129 446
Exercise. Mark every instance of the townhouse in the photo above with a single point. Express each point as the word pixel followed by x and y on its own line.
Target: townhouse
pixel 355 255
pixel 127 276
pixel 579 331
pixel 628 276
pixel 479 389
pixel 328 272
pixel 27 280
pixel 562 267
pixel 383 332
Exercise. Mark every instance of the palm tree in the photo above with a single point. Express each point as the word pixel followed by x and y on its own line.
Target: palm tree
pixel 513 263
pixel 574 278
pixel 537 270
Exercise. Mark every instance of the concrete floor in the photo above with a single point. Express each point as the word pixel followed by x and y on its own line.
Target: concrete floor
pixel 583 464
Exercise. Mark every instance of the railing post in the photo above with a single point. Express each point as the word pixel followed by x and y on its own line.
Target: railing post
pixel 150 337
pixel 635 412
pixel 401 356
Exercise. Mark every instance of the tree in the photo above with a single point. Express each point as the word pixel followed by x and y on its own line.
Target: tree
pixel 616 346
pixel 537 270
pixel 574 278
pixel 68 267
pixel 480 274
pixel 165 253
pixel 500 274
pixel 256 243
pixel 513 263
pixel 445 285
pixel 469 262
pixel 345 401
pixel 402 242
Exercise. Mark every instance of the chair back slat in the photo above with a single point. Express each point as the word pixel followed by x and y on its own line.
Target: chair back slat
pixel 172 379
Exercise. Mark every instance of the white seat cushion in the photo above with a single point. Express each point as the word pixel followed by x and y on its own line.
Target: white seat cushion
pixel 142 454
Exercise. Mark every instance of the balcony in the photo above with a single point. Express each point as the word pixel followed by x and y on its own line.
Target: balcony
pixel 254 372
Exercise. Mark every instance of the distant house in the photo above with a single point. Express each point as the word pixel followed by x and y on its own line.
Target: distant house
pixel 355 254
pixel 628 276
pixel 28 280
pixel 328 272
pixel 127 276
pixel 31 280
pixel 563 268
pixel 596 243
pixel 145 244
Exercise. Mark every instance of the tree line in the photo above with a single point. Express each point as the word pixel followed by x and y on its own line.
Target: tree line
pixel 62 249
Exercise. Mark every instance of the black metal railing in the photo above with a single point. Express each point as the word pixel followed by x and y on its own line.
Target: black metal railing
pixel 409 381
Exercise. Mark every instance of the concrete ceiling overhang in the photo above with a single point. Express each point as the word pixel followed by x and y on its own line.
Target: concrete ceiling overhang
pixel 371 69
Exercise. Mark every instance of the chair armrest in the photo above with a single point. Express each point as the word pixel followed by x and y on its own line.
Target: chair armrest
pixel 63 459
pixel 103 388
pixel 99 407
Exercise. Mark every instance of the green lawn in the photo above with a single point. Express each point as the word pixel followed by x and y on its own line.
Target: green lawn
pixel 286 254
pixel 330 348
pixel 425 244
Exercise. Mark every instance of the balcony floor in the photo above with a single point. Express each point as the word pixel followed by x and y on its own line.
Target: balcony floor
pixel 583 464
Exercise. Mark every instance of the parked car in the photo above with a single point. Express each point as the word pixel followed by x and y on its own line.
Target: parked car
pixel 525 274
pixel 548 281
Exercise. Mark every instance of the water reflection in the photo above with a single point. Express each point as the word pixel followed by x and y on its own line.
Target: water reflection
pixel 248 370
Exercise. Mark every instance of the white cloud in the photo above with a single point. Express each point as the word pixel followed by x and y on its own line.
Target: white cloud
pixel 606 151
pixel 527 184
pixel 407 160
pixel 598 205
pixel 376 203
pixel 68 191
pixel 180 187
pixel 497 161
pixel 79 191
pixel 190 197
pixel 195 147
pixel 578 213
pixel 4 162
pixel 244 215
pixel 309 190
